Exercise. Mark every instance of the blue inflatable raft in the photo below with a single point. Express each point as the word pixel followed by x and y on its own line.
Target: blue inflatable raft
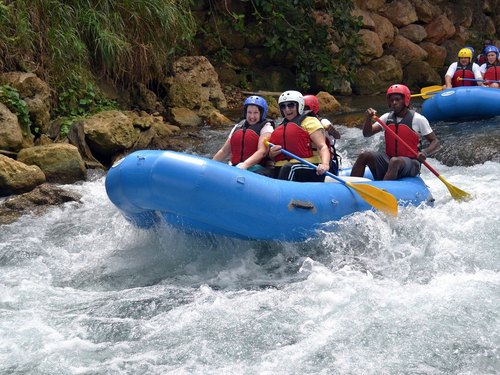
pixel 197 194
pixel 467 103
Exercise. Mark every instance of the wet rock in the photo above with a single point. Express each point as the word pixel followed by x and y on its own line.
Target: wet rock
pixel 60 162
pixel 36 202
pixel 17 177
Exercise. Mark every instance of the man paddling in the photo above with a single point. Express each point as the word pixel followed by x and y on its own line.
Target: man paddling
pixel 397 161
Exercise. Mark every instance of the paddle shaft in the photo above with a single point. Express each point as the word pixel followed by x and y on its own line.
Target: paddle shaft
pixel 425 93
pixel 478 80
pixel 303 161
pixel 372 195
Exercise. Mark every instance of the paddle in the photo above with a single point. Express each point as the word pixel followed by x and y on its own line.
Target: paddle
pixel 477 80
pixel 427 92
pixel 456 193
pixel 375 197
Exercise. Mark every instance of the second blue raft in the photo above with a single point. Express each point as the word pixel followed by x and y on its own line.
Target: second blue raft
pixel 467 103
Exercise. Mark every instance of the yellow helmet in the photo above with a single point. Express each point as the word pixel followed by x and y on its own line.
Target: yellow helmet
pixel 465 52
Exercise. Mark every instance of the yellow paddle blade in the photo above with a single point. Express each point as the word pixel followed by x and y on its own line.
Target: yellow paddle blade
pixel 455 192
pixel 381 200
pixel 427 92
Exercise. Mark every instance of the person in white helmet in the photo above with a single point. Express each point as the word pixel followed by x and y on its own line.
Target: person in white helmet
pixel 298 133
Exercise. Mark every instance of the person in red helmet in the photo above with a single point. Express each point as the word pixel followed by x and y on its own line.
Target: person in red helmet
pixel 311 103
pixel 397 161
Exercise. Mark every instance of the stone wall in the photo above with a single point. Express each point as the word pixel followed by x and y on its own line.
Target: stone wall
pixel 410 41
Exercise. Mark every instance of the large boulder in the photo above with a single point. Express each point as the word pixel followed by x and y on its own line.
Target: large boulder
pixel 110 132
pixel 378 75
pixel 436 55
pixel 426 11
pixel 413 32
pixel 60 162
pixel 35 202
pixel 439 30
pixel 405 50
pixel 17 177
pixel 11 136
pixel 384 29
pixel 327 102
pixel 36 94
pixel 371 46
pixel 419 74
pixel 400 13
pixel 194 84
pixel 369 4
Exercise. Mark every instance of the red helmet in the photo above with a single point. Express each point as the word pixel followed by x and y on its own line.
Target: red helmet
pixel 402 90
pixel 312 102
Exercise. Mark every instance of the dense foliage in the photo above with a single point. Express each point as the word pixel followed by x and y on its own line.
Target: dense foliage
pixel 303 31
pixel 71 43
pixel 11 98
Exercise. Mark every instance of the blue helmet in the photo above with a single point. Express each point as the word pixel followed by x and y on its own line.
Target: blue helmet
pixel 491 49
pixel 259 102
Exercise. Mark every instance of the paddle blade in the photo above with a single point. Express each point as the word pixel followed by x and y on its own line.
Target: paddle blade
pixel 455 192
pixel 381 200
pixel 428 91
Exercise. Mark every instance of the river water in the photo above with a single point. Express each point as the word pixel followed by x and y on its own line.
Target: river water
pixel 83 292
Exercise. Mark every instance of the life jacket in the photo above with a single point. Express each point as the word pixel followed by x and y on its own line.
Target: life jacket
pixel 463 72
pixel 330 142
pixel 481 59
pixel 245 141
pixel 405 131
pixel 492 72
pixel 294 138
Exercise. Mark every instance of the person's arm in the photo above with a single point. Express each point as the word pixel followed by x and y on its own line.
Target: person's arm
pixel 449 75
pixel 423 127
pixel 447 82
pixel 318 138
pixel 258 155
pixel 370 128
pixel 225 151
pixel 330 128
pixel 432 148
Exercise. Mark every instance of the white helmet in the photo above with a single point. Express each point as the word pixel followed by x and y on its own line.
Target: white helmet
pixel 293 96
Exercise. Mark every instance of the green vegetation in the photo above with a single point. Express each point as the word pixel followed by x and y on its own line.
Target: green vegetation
pixel 75 44
pixel 290 30
pixel 76 103
pixel 10 97
pixel 68 42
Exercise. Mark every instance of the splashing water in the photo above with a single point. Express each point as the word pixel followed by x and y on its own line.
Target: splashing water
pixel 83 292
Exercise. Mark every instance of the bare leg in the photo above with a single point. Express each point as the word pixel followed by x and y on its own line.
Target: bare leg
pixel 395 164
pixel 364 159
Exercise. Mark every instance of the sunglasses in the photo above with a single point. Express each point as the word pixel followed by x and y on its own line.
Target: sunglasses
pixel 287 105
